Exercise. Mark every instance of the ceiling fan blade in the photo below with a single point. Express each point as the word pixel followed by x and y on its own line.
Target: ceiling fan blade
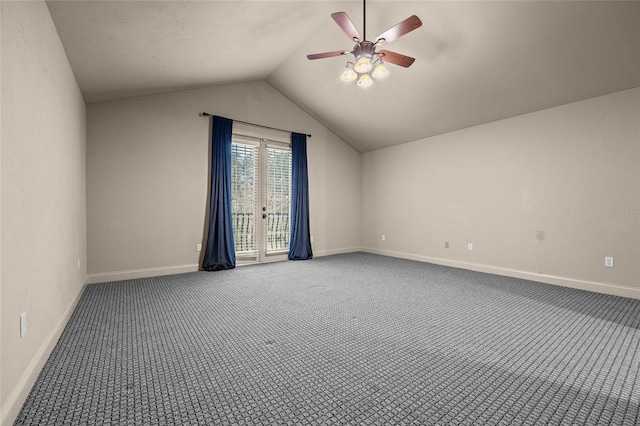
pixel 343 21
pixel 396 58
pixel 328 54
pixel 404 27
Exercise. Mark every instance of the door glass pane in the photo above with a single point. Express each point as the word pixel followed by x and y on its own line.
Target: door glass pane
pixel 243 197
pixel 277 200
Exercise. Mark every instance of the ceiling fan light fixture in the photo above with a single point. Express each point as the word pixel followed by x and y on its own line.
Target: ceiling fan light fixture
pixel 349 74
pixel 380 71
pixel 368 62
pixel 365 81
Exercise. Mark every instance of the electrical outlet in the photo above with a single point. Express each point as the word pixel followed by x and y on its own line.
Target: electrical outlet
pixel 446 244
pixel 23 324
pixel 470 246
pixel 382 237
pixel 198 247
pixel 608 262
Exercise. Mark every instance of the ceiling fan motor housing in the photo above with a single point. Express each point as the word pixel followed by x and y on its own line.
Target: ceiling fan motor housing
pixel 364 48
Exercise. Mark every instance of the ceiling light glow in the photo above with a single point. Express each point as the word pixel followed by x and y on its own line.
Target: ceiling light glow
pixel 380 71
pixel 363 64
pixel 365 81
pixel 349 74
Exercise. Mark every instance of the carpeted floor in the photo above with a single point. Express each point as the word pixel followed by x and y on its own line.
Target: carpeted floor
pixel 353 339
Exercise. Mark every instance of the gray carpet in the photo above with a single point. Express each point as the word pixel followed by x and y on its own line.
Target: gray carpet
pixel 353 339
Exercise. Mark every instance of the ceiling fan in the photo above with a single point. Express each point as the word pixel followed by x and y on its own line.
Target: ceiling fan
pixel 369 62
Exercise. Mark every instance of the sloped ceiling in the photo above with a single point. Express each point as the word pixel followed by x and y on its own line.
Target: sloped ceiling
pixel 476 61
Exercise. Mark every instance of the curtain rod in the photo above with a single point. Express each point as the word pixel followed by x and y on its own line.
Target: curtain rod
pixel 206 114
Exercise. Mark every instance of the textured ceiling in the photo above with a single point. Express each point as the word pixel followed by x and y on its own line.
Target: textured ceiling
pixel 476 61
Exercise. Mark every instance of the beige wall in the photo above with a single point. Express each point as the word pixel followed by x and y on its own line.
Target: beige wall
pixel 147 173
pixel 43 219
pixel 544 196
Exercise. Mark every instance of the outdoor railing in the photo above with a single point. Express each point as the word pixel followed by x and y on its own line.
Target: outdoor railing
pixel 244 231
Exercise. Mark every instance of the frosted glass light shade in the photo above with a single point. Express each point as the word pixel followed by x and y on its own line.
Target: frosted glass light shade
pixel 363 64
pixel 365 81
pixel 348 75
pixel 380 71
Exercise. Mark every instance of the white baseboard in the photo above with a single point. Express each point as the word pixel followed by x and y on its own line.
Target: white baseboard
pixel 336 251
pixel 613 289
pixel 22 388
pixel 598 287
pixel 103 277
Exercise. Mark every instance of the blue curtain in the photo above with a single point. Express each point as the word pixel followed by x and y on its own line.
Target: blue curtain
pixel 300 239
pixel 220 251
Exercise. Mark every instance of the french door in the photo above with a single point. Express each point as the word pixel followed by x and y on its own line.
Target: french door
pixel 260 198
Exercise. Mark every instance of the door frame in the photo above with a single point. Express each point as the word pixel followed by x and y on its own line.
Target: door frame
pixel 255 135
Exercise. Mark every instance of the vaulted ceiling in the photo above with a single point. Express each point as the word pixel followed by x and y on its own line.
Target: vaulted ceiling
pixel 476 61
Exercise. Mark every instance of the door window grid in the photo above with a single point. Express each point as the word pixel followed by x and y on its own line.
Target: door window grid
pixel 244 177
pixel 260 214
pixel 277 201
